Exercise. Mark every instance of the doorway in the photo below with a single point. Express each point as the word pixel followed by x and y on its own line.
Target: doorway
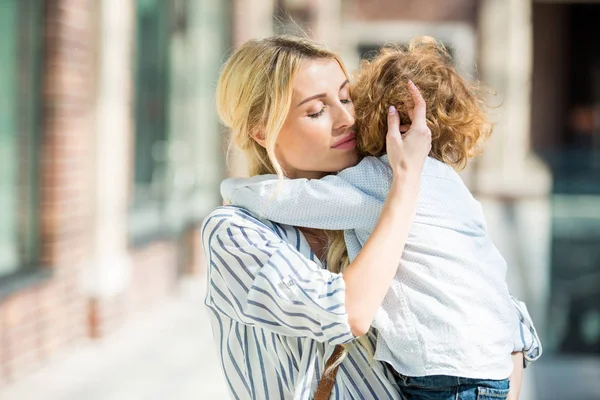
pixel 565 132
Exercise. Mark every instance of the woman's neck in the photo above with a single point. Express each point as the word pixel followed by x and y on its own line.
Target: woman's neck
pixel 317 240
pixel 295 174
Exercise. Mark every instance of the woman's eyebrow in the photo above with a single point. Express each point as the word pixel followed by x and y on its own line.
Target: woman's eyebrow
pixel 318 96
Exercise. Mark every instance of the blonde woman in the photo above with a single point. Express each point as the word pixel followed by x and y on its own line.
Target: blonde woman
pixel 277 312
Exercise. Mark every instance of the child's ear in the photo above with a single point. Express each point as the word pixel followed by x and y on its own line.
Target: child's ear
pixel 259 137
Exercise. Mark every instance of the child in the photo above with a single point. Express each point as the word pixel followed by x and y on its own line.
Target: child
pixel 447 323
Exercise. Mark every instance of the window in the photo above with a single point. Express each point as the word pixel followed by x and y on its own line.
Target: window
pixel 151 118
pixel 178 141
pixel 199 39
pixel 20 53
pixel 567 93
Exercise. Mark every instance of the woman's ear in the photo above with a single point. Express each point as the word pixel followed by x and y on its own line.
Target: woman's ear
pixel 259 137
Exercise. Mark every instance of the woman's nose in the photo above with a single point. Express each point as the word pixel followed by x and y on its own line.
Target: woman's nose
pixel 346 117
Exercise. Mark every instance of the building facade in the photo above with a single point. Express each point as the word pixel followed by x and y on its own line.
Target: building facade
pixel 111 157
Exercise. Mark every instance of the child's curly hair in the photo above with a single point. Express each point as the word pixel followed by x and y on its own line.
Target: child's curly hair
pixel 456 113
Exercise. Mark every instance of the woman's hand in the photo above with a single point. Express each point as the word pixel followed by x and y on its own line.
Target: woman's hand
pixel 407 153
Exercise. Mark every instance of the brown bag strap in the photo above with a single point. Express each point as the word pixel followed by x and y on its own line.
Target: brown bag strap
pixel 326 383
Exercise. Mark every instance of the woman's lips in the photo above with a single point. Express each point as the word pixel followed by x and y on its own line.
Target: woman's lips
pixel 345 144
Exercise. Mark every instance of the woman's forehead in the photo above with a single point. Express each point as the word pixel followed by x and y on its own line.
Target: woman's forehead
pixel 318 76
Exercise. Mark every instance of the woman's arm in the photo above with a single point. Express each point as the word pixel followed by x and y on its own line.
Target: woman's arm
pixel 516 377
pixel 527 347
pixel 257 277
pixel 526 339
pixel 369 276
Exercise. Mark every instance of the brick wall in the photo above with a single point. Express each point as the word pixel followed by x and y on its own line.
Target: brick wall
pixel 154 277
pixel 43 319
pixel 38 321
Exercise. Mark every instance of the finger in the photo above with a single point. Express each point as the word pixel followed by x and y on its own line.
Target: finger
pixel 418 112
pixel 393 121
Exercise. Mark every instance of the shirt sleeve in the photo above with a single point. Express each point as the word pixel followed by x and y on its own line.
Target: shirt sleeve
pixel 258 279
pixel 352 199
pixel 526 338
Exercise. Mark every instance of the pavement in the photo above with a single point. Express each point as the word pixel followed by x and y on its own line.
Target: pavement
pixel 169 353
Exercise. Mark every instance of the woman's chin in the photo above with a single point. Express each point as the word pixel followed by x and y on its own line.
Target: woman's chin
pixel 331 166
pixel 349 160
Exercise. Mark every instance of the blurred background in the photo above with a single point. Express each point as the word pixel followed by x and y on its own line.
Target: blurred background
pixel 111 155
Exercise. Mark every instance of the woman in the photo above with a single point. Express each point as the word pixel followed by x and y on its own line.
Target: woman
pixel 276 311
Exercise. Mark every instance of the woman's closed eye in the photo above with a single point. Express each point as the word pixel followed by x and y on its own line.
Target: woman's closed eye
pixel 320 112
pixel 317 114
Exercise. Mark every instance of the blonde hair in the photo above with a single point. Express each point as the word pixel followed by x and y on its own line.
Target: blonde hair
pixel 254 94
pixel 456 112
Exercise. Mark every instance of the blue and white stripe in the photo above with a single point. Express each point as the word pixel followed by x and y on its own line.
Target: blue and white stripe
pixel 277 314
pixel 527 339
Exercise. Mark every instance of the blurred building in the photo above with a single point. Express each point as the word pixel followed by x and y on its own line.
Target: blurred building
pixel 112 154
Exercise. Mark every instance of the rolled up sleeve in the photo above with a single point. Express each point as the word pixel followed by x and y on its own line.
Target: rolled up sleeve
pixel 526 339
pixel 259 279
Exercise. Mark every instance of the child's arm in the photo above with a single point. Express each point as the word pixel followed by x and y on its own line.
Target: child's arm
pixel 350 200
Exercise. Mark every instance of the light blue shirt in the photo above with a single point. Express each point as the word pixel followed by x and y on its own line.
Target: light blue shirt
pixel 448 311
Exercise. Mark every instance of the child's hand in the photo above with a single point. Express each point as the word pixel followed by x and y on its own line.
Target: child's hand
pixel 407 153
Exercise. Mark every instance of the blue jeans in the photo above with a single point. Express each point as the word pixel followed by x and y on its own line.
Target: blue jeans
pixel 442 387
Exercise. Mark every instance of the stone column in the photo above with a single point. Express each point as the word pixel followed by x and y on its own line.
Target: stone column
pixel 109 271
pixel 327 23
pixel 252 19
pixel 506 64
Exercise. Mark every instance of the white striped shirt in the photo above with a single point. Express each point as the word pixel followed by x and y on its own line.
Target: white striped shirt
pixel 277 314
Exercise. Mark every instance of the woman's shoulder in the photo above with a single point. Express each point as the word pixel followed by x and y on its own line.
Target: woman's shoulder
pixel 232 217
pixel 230 214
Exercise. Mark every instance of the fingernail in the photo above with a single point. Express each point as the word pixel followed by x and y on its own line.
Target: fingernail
pixel 411 83
pixel 392 110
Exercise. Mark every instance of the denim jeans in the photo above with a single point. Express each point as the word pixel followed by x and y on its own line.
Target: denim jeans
pixel 442 387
